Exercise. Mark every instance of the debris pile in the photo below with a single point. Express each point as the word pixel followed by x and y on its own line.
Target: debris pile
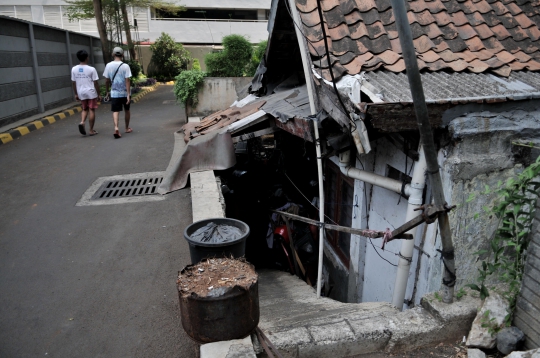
pixel 214 277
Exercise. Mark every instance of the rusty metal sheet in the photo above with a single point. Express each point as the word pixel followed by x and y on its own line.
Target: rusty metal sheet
pixel 214 151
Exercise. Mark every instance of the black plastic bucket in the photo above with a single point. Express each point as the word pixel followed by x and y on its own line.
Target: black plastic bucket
pixel 204 250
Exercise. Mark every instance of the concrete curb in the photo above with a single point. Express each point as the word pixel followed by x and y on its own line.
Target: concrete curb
pixel 37 124
pixel 144 92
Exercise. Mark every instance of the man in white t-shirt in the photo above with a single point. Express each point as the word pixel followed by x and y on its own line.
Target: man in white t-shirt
pixel 118 76
pixel 85 84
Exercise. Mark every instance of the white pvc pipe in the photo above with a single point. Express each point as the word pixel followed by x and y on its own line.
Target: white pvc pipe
pixel 369 177
pixel 407 246
pixel 313 108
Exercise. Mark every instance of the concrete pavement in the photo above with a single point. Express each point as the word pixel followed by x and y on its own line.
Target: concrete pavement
pixel 91 281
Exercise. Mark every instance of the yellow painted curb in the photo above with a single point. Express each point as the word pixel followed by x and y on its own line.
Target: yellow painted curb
pixel 5 137
pixel 38 124
pixel 23 130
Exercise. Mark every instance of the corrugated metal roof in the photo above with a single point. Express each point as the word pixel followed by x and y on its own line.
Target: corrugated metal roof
pixel 442 87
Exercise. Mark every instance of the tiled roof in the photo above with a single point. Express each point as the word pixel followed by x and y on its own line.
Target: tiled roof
pixel 452 35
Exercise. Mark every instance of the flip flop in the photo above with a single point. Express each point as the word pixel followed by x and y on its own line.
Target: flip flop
pixel 117 134
pixel 95 132
pixel 129 130
pixel 81 129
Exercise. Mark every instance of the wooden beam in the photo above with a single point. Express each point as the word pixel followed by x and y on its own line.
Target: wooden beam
pixel 244 137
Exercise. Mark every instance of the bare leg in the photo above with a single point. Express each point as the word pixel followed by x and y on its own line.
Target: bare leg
pixel 127 118
pixel 92 119
pixel 115 120
pixel 84 114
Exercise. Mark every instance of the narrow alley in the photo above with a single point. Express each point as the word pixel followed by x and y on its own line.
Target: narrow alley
pixel 98 280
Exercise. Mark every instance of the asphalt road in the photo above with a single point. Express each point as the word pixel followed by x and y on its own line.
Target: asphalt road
pixel 92 281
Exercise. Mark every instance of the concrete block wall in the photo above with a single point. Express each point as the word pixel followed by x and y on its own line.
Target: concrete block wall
pixel 218 93
pixel 527 316
pixel 35 70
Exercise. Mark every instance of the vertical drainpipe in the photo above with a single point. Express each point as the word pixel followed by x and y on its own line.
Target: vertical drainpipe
pixel 313 108
pixel 35 65
pixel 416 190
pixel 426 136
pixel 70 60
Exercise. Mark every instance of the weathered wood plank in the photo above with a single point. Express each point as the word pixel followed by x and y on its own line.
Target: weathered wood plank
pixel 532 336
pixel 298 127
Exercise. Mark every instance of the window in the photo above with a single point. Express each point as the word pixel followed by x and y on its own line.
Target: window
pixel 339 193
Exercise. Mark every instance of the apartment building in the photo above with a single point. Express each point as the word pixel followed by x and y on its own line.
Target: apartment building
pixel 200 28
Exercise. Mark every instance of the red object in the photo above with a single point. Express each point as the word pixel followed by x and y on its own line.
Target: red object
pixel 282 231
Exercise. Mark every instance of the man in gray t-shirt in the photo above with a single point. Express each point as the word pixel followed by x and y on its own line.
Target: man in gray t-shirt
pixel 118 76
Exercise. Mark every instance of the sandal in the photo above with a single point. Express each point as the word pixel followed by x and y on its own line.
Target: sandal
pixel 117 134
pixel 129 130
pixel 81 129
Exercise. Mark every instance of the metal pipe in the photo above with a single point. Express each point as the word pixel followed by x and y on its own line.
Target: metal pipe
pixel 35 67
pixel 418 183
pixel 369 177
pixel 313 108
pixel 426 136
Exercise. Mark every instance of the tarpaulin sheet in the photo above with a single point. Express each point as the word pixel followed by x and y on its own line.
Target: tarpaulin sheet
pixel 213 151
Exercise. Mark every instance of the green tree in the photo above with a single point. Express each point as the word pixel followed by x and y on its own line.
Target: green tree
pixel 233 60
pixel 258 54
pixel 196 65
pixel 111 18
pixel 169 58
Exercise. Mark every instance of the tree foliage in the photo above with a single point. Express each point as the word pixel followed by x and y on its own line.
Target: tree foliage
pixel 258 54
pixel 186 87
pixel 115 19
pixel 169 58
pixel 196 65
pixel 233 60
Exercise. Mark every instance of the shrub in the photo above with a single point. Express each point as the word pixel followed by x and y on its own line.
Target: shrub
pixel 258 54
pixel 135 68
pixel 186 87
pixel 168 58
pixel 196 65
pixel 232 61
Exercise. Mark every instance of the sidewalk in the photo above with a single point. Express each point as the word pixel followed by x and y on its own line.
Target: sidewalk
pixel 24 126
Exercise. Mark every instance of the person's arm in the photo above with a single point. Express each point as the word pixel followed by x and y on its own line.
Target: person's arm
pixel 74 84
pixel 96 86
pixel 128 89
pixel 108 86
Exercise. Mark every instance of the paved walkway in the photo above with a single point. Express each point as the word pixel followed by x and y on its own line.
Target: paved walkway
pixel 91 281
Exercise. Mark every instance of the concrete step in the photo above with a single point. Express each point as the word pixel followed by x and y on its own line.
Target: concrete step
pixel 300 325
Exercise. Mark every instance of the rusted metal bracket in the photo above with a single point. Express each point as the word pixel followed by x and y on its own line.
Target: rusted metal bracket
pixel 429 215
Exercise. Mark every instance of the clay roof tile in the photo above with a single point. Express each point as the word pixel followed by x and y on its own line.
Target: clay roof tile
pixel 524 21
pixel 466 32
pixel 533 32
pixel 459 18
pixel 518 34
pixel 475 44
pixel 484 31
pixel 365 5
pixel 500 31
pixel 513 8
pixel 456 35
pixel 442 18
pixel 475 18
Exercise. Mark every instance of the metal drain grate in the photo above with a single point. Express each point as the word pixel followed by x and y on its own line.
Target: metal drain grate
pixel 123 188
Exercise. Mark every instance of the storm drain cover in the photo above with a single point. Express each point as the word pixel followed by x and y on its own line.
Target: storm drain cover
pixel 121 189
pixel 128 187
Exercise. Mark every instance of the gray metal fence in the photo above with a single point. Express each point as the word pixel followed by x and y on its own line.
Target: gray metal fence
pixel 35 67
pixel 527 316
